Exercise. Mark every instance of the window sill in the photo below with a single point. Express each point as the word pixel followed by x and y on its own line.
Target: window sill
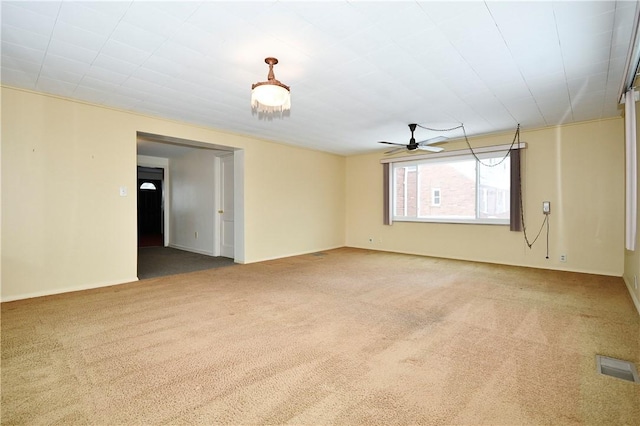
pixel 502 222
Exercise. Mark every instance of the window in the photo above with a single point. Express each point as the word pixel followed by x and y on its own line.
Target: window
pixel 435 197
pixel 148 185
pixel 475 192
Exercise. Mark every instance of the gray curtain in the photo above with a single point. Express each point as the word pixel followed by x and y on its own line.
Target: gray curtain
pixel 516 217
pixel 386 214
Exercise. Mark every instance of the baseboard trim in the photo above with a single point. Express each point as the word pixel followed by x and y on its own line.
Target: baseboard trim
pixel 67 290
pixel 266 259
pixel 493 261
pixel 634 298
pixel 191 249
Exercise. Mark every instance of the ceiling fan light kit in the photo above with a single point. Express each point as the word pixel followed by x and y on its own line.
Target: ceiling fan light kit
pixel 425 145
pixel 271 96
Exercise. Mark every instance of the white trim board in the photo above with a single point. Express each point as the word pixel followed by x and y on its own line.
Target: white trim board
pixel 454 153
pixel 635 300
pixel 192 250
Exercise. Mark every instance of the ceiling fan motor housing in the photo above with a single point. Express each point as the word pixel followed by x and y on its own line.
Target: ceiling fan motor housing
pixel 412 142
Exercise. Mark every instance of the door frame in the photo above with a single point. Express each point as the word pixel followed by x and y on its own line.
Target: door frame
pixel 238 205
pixel 218 188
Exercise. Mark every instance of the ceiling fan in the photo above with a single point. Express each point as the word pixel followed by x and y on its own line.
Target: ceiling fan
pixel 413 145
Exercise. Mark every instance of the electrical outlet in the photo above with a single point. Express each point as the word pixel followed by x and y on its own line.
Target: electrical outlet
pixel 546 207
pixel 563 258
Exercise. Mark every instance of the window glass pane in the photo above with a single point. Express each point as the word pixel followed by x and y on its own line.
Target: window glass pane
pixel 494 184
pixel 405 194
pixel 148 185
pixel 452 189
pixel 457 183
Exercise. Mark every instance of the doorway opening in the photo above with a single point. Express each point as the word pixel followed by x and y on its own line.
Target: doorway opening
pixel 190 198
pixel 150 207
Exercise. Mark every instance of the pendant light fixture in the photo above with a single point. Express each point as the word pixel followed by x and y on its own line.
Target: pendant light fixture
pixel 271 96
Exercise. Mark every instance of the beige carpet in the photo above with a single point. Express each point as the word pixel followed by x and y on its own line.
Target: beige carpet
pixel 346 337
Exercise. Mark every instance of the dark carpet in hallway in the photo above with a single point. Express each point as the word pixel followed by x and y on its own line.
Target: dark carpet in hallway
pixel 161 261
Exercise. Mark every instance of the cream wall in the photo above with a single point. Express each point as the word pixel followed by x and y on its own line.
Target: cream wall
pixel 300 190
pixel 65 227
pixel 579 168
pixel 632 258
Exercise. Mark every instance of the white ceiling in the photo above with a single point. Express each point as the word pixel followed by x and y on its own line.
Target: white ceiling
pixel 359 71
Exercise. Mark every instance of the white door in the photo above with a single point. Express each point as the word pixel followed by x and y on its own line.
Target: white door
pixel 226 206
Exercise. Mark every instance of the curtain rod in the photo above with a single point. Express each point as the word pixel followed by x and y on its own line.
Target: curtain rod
pixel 633 58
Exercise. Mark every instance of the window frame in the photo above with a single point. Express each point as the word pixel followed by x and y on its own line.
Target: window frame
pixel 483 152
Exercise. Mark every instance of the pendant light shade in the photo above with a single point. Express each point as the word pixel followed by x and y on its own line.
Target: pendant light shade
pixel 270 96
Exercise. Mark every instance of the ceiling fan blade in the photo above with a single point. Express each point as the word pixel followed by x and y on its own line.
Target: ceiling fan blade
pixel 392 143
pixel 432 141
pixel 413 145
pixel 393 151
pixel 430 148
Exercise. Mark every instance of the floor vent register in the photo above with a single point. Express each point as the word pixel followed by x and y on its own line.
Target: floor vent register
pixel 617 368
